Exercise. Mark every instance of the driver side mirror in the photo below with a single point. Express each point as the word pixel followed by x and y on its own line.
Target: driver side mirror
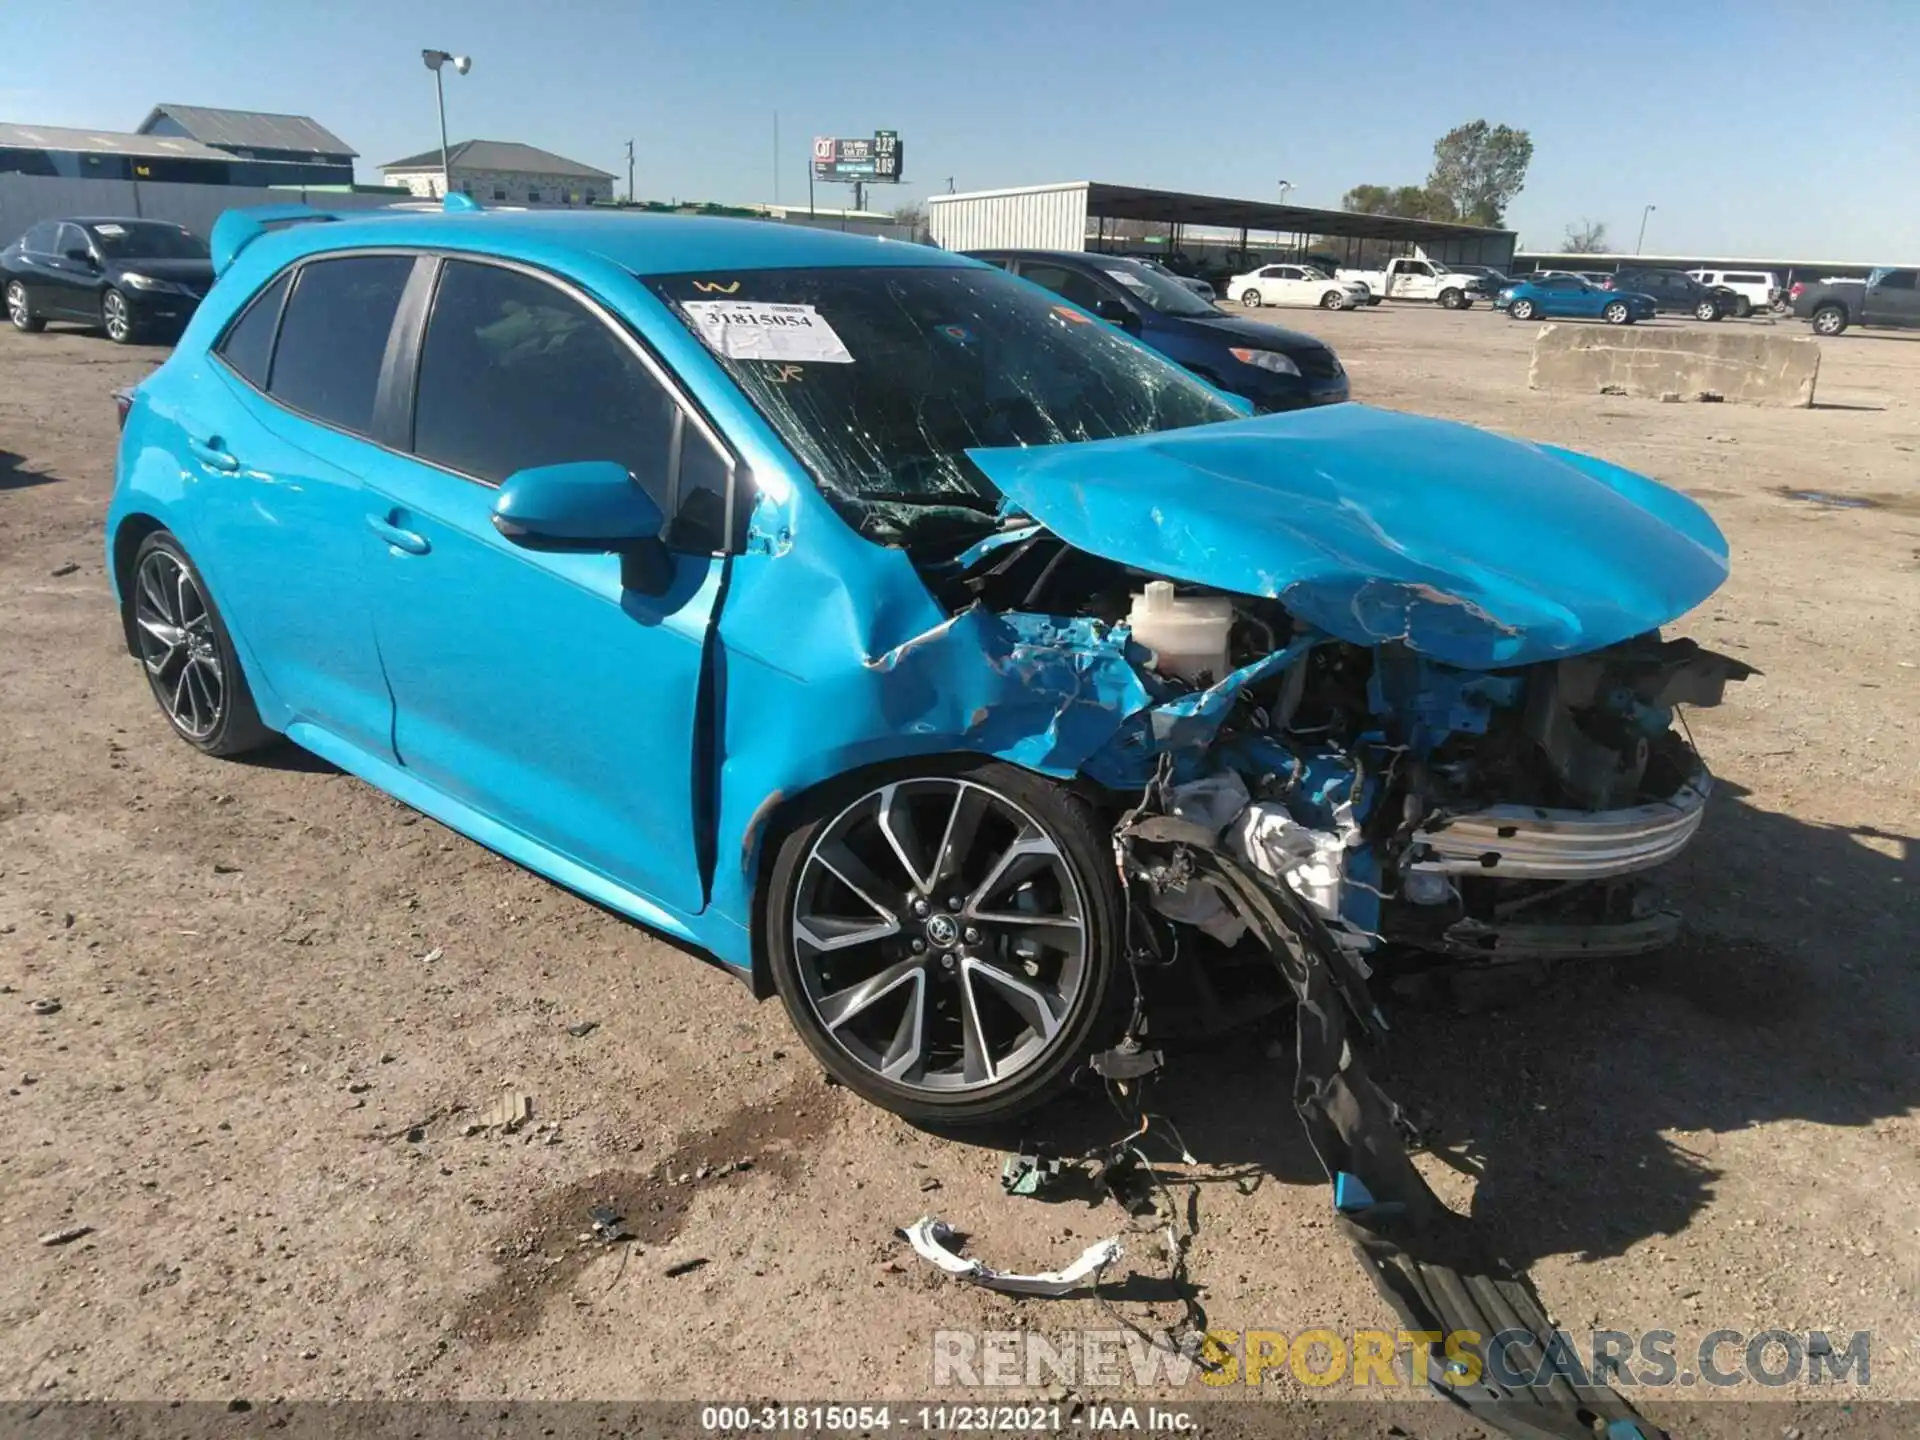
pixel 1115 312
pixel 585 506
pixel 80 253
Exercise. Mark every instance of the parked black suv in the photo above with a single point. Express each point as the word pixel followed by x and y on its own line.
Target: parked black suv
pixel 129 277
pixel 1675 294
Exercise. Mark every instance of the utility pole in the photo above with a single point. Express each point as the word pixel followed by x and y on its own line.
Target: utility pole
pixel 630 172
pixel 776 157
pixel 1645 211
pixel 950 185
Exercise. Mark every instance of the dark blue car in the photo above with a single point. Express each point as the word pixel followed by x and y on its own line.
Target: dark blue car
pixel 1559 297
pixel 1275 369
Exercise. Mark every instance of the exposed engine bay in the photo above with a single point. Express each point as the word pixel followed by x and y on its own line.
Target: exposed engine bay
pixel 1481 814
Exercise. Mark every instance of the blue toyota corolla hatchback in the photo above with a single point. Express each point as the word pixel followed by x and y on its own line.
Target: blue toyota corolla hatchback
pixel 827 602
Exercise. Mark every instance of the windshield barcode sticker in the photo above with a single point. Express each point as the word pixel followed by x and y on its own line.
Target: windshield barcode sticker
pixel 744 330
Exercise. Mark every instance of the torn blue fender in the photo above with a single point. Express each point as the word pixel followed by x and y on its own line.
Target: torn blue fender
pixel 1472 548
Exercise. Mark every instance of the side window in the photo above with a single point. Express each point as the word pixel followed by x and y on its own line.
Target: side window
pixel 70 238
pixel 1068 284
pixel 516 373
pixel 333 336
pixel 248 347
pixel 1898 280
pixel 1417 267
pixel 39 240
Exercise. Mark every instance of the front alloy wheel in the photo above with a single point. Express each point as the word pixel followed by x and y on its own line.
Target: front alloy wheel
pixel 116 317
pixel 944 942
pixel 1521 310
pixel 1706 310
pixel 1617 313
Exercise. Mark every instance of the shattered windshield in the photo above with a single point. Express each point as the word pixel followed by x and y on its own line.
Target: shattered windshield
pixel 881 379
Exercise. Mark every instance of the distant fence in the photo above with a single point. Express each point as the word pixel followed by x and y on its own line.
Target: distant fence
pixel 26 200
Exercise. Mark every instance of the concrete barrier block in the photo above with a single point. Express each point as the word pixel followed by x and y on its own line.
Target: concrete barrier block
pixel 1744 365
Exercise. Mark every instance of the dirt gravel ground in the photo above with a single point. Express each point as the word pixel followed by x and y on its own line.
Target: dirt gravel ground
pixel 284 999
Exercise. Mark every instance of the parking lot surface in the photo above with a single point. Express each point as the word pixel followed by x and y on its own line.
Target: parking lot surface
pixel 284 1000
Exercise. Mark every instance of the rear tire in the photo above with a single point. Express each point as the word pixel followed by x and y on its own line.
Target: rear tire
pixel 188 656
pixel 899 991
pixel 116 317
pixel 20 310
pixel 1250 298
pixel 1829 320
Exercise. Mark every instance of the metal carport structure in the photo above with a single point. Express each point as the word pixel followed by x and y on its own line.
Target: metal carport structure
pixel 1084 214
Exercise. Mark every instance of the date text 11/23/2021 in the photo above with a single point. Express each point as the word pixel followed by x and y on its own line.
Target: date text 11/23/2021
pixel 936 1419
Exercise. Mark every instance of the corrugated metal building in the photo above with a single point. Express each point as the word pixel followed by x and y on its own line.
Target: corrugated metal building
pixel 1086 214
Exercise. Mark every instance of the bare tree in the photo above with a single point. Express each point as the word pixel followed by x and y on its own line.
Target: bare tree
pixel 1589 237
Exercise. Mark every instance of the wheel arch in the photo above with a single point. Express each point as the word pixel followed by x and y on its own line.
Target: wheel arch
pixel 134 527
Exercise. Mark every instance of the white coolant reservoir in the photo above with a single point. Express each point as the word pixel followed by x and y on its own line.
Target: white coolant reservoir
pixel 1187 633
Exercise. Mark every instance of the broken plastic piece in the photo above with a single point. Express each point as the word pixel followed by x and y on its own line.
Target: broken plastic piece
pixel 929 1237
pixel 1029 1173
pixel 1350 1193
pixel 1126 1061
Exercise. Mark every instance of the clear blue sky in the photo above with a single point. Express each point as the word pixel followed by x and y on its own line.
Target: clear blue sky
pixel 1755 127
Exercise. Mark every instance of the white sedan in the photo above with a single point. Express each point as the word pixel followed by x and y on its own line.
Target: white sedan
pixel 1296 285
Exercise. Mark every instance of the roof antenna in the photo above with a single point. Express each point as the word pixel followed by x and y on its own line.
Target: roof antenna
pixel 459 203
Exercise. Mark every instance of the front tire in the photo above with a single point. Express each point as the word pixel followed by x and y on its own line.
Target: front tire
pixel 1250 298
pixel 20 310
pixel 116 317
pixel 1617 313
pixel 1450 299
pixel 946 937
pixel 1521 310
pixel 1706 310
pixel 187 653
pixel 1742 308
pixel 1333 300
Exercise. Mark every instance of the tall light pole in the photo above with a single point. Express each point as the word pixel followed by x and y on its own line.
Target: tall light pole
pixel 1285 186
pixel 1645 211
pixel 463 63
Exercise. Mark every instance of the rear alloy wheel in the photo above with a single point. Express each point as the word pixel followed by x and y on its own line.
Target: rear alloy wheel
pixel 1617 313
pixel 20 309
pixel 1829 320
pixel 1251 298
pixel 1706 310
pixel 116 317
pixel 188 656
pixel 946 941
pixel 1521 310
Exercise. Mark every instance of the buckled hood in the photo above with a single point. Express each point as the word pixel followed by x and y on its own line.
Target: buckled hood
pixel 1472 548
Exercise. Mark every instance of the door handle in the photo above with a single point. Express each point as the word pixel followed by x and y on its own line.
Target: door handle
pixel 410 541
pixel 209 454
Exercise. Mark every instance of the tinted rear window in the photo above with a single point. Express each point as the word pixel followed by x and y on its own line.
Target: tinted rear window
pixel 248 348
pixel 333 337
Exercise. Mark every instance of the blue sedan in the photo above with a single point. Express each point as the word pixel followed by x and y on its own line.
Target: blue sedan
pixel 839 606
pixel 1569 297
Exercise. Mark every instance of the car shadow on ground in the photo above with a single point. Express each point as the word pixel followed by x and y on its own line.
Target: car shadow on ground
pixel 13 475
pixel 1589 1106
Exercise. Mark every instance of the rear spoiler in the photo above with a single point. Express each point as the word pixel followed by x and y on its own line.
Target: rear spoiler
pixel 237 229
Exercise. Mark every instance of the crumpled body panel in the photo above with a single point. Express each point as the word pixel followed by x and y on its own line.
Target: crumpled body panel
pixel 1471 548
